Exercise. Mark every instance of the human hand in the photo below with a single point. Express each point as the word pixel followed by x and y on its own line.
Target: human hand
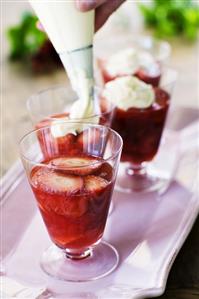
pixel 104 8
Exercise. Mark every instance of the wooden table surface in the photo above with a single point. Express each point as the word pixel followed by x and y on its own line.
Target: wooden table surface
pixel 18 84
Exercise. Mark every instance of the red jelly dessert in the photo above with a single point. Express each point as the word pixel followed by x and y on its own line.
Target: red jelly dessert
pixel 150 75
pixel 73 200
pixel 141 129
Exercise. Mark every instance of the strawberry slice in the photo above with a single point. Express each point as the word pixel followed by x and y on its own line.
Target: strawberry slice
pixel 77 165
pixel 52 181
pixel 76 207
pixel 72 206
pixel 94 183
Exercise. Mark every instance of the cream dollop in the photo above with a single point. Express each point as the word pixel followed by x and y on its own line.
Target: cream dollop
pixel 129 92
pixel 128 61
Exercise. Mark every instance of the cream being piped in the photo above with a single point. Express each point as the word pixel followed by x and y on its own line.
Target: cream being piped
pixel 71 33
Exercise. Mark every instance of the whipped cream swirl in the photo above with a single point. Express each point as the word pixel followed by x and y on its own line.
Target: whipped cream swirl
pixel 129 92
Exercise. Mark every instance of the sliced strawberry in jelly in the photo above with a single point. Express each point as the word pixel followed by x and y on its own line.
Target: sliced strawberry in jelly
pixel 51 181
pixel 75 206
pixel 94 183
pixel 77 165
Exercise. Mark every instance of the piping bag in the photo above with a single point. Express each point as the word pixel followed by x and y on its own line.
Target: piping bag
pixel 71 33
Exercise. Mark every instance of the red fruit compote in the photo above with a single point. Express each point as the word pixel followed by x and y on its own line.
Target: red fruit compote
pixel 73 194
pixel 141 129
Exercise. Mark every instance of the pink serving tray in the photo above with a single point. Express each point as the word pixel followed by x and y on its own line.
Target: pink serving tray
pixel 148 230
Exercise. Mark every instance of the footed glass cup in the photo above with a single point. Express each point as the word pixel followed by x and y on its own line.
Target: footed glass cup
pixel 73 185
pixel 141 131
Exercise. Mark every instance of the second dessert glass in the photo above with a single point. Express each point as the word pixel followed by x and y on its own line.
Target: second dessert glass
pixel 153 55
pixel 141 130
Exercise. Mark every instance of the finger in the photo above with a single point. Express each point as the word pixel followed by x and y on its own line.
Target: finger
pixel 104 11
pixel 85 5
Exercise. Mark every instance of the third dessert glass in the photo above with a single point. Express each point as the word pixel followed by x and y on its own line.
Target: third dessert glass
pixel 143 57
pixel 73 192
pixel 141 130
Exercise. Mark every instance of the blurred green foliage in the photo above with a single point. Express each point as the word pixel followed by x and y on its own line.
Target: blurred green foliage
pixel 172 18
pixel 25 39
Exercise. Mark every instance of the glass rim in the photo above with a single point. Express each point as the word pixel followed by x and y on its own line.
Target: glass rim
pixel 32 161
pixel 60 87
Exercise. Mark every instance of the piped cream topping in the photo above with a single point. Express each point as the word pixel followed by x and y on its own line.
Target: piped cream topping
pixel 129 92
pixel 83 109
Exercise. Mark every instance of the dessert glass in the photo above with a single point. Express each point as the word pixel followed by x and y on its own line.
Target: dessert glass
pixel 141 131
pixel 160 50
pixel 73 192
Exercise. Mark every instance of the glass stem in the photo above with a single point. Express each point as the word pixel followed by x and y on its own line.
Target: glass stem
pixel 78 255
pixel 136 169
